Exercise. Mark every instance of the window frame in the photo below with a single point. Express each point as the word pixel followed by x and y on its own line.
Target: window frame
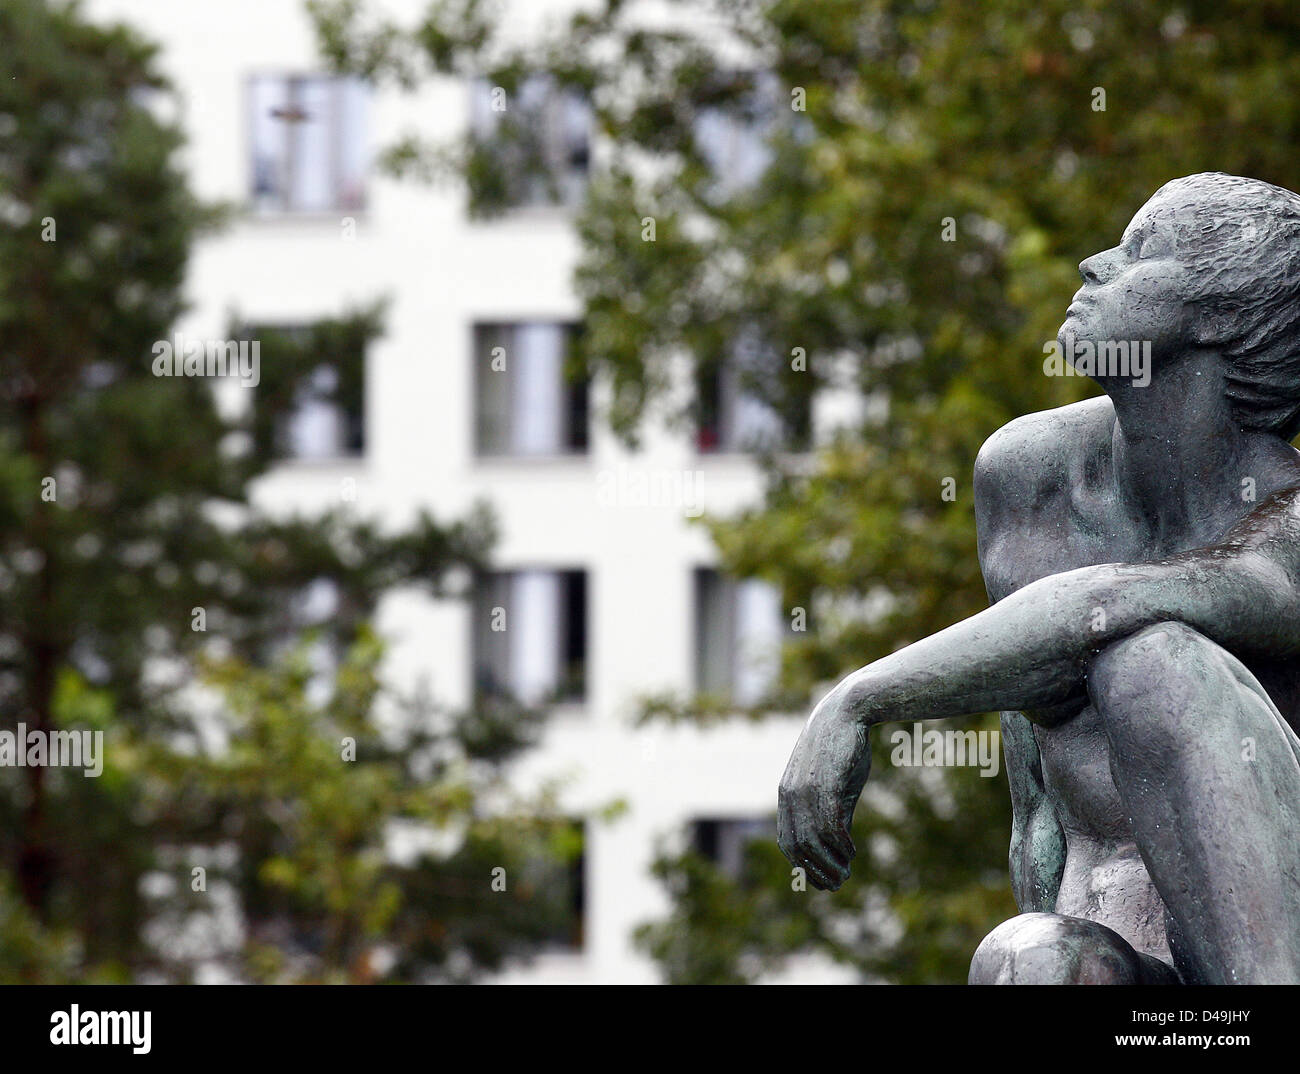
pixel 569 390
pixel 285 211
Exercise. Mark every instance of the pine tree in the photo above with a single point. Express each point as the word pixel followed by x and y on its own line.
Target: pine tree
pixel 136 580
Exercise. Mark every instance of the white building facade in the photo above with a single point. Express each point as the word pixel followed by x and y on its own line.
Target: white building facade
pixel 603 574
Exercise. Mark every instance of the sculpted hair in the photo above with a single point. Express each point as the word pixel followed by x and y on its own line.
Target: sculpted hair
pixel 1246 283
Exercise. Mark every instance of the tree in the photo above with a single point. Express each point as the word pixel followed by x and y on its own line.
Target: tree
pixel 130 557
pixel 293 816
pixel 933 174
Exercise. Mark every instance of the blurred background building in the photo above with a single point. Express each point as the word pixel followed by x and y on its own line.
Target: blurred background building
pixel 603 590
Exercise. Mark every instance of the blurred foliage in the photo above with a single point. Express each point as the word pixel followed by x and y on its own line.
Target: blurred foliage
pixel 297 812
pixel 129 554
pixel 1027 132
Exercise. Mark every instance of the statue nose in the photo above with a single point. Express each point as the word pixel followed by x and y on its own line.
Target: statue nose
pixel 1098 268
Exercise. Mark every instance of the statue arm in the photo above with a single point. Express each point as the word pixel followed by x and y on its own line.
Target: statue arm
pixel 1031 650
pixel 1037 852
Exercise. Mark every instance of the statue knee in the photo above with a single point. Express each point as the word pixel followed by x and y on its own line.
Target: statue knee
pixel 1144 685
pixel 1044 948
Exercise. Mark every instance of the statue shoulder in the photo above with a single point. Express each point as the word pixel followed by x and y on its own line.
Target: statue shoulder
pixel 1032 457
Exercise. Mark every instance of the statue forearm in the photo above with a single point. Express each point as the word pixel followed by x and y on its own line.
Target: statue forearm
pixel 1025 652
pixel 1032 649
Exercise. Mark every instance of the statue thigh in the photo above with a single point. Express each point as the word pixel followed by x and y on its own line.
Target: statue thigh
pixel 1209 773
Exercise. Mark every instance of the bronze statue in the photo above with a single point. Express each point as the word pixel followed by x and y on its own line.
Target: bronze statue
pixel 1142 553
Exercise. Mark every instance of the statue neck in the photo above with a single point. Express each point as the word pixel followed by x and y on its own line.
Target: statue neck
pixel 1179 455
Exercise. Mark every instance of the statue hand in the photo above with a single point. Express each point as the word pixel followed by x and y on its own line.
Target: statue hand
pixel 819 792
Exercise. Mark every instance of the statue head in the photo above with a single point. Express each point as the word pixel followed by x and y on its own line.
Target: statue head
pixel 1210 261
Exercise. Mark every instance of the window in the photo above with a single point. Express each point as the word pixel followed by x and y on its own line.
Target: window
pixel 750 399
pixel 732 418
pixel 320 426
pixel 556 880
pixel 313 608
pixel 308 615
pixel 723 841
pixel 739 628
pixel 733 141
pixel 310 402
pixel 526 404
pixel 308 150
pixel 529 147
pixel 530 636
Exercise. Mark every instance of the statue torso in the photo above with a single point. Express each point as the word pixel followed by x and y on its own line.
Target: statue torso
pixel 1066 514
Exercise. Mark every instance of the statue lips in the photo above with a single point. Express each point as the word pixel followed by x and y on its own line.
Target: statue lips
pixel 1081 302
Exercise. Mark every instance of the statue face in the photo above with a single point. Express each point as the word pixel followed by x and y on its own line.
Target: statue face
pixel 1138 290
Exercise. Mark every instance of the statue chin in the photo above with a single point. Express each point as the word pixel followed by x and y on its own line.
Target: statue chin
pixel 1074 329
